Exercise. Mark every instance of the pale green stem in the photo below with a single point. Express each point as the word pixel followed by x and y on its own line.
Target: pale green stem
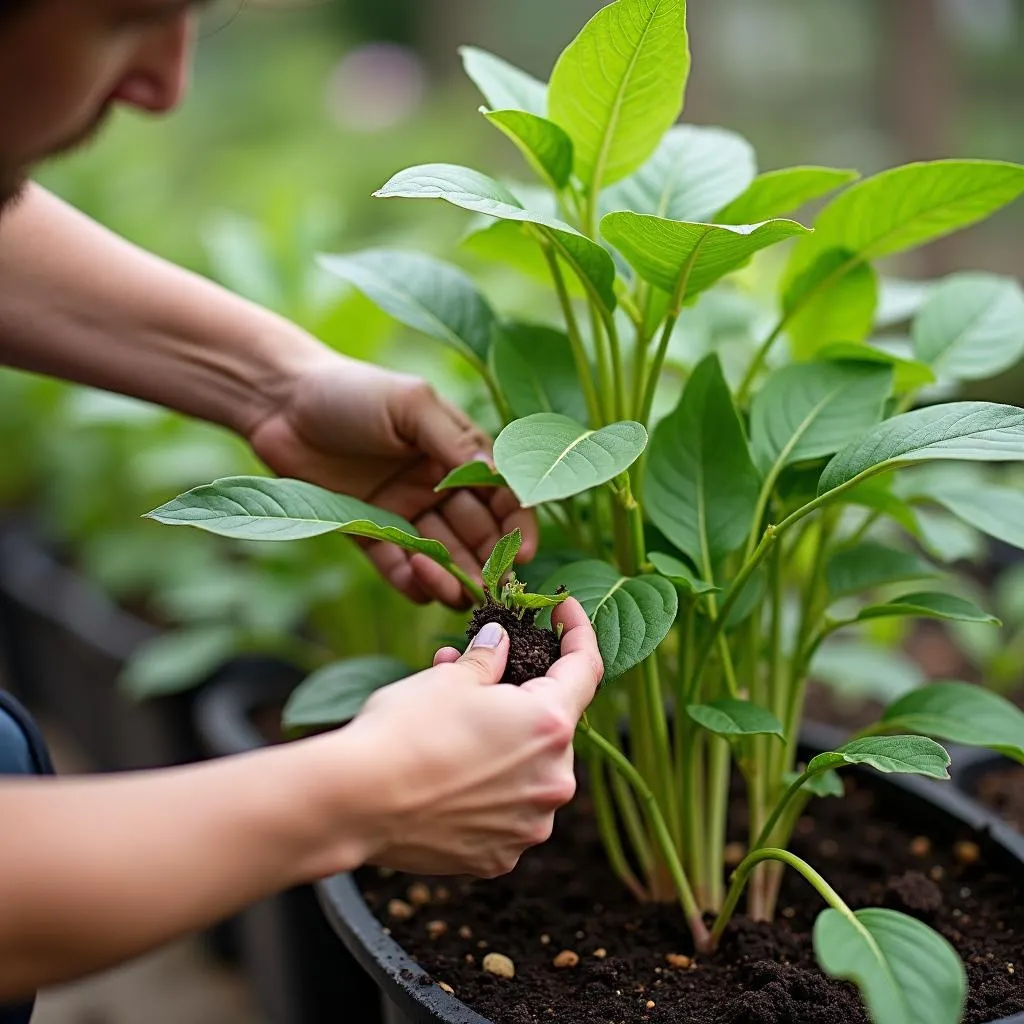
pixel 606 826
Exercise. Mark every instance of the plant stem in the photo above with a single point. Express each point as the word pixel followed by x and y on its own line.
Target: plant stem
pixel 605 366
pixel 474 588
pixel 720 756
pixel 622 765
pixel 608 830
pixel 618 369
pixel 654 372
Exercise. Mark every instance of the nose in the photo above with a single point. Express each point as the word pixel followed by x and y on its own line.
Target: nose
pixel 158 76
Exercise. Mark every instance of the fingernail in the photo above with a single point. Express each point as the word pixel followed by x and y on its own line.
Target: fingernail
pixel 489 637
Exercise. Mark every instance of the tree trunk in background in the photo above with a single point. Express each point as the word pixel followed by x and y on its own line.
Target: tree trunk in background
pixel 919 97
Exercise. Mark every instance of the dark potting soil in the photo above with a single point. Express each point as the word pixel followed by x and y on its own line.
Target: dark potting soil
pixel 636 963
pixel 1003 791
pixel 532 651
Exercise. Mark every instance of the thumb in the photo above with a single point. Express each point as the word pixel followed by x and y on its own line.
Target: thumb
pixel 487 654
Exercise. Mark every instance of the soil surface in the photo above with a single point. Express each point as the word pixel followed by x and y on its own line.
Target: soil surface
pixel 532 651
pixel 635 963
pixel 1003 791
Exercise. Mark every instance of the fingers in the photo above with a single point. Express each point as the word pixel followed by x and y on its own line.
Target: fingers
pixel 402 573
pixel 575 676
pixel 487 654
pixel 437 584
pixel 472 522
pixel 447 656
pixel 505 508
pixel 444 432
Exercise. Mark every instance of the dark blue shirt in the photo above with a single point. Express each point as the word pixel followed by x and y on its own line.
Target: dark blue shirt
pixel 22 752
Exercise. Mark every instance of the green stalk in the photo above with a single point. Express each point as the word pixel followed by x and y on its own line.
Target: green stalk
pixel 608 830
pixel 720 755
pixel 618 369
pixel 605 365
pixel 654 373
pixel 472 587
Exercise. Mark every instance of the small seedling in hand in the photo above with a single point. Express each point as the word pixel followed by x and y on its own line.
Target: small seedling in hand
pixel 533 650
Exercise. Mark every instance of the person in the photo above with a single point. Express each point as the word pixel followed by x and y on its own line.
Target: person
pixel 443 772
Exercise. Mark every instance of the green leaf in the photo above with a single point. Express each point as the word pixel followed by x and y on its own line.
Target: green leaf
pixel 501 560
pixel 630 615
pixel 471 474
pixel 749 600
pixel 973 431
pixel 869 564
pixel 735 718
pixel 546 457
pixel 945 538
pixel 680 257
pixel 423 293
pixel 824 784
pixel 995 511
pixel 504 86
pixel 811 410
pixel 177 661
pixel 538 602
pixel 679 573
pixel 778 193
pixel 701 486
pixel 618 87
pixel 908 374
pixel 833 300
pixel 547 149
pixel 265 508
pixel 929 606
pixel 693 172
pixel 471 190
pixel 876 494
pixel 906 972
pixel 971 327
pixel 960 713
pixel 336 693
pixel 906 755
pixel 535 367
pixel 862 670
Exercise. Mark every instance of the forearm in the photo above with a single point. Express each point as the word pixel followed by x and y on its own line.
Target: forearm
pixel 78 302
pixel 95 871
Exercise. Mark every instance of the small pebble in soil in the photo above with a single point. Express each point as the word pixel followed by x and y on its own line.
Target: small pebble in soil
pixel 482 944
pixel 532 651
pixel 545 940
pixel 937 873
pixel 650 1004
pixel 920 846
pixel 442 895
pixel 500 966
pixel 465 932
pixel 600 953
pixel 567 958
pixel 734 854
pixel 435 929
pixel 444 986
pixel 967 852
pixel 400 910
pixel 419 894
pixel 678 960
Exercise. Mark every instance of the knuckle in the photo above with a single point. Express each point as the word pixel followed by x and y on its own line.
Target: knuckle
pixel 539 831
pixel 556 725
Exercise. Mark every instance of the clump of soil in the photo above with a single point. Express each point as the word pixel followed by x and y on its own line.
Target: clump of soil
pixel 532 650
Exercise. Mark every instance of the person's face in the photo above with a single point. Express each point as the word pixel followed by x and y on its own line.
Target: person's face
pixel 65 63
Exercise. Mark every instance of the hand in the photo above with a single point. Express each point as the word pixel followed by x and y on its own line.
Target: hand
pixel 388 439
pixel 476 769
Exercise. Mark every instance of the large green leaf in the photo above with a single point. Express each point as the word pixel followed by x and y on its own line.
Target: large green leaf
pixel 945 538
pixel 547 148
pixel 905 755
pixel 504 86
pixel 972 326
pixel 501 560
pixel 908 374
pixel 996 511
pixel 471 190
pixel 336 693
pixel 929 605
pixel 683 258
pixel 265 508
pixel 907 973
pixel 701 485
pixel 536 371
pixel 679 573
pixel 960 713
pixel 630 615
pixel 972 431
pixel 811 410
pixel 730 717
pixel 423 293
pixel 546 457
pixel 693 172
pixel 619 86
pixel 869 564
pixel 471 474
pixel 179 660
pixel 779 193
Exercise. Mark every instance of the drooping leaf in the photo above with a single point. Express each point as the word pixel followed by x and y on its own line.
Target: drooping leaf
pixel 679 573
pixel 946 538
pixel 476 192
pixel 906 972
pixel 701 486
pixel 630 615
pixel 960 713
pixel 823 784
pixel 472 474
pixel 535 368
pixel 619 85
pixel 869 564
pixel 779 193
pixel 908 374
pixel 735 718
pixel 501 560
pixel 682 257
pixel 972 326
pixel 547 149
pixel 906 755
pixel 693 172
pixel 336 693
pixel 179 660
pixel 546 457
pixel 929 606
pixel 994 510
pixel 265 508
pixel 504 86
pixel 423 293
pixel 972 431
pixel 811 410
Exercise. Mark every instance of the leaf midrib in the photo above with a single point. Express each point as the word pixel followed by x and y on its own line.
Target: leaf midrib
pixel 558 461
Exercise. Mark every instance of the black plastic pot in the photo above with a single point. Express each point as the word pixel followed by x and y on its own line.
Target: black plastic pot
pixel 408 1000
pixel 300 971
